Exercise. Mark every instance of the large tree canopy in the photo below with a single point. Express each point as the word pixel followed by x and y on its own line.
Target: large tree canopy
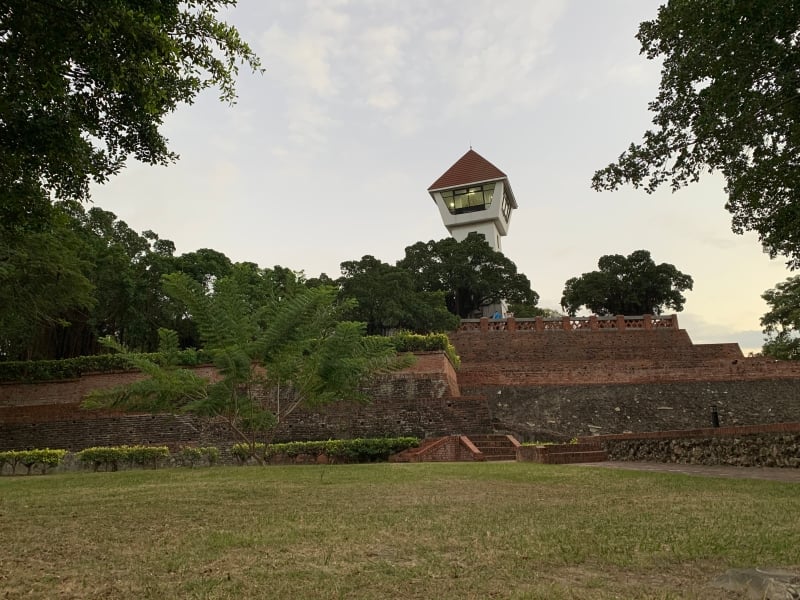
pixel 84 85
pixel 729 101
pixel 470 273
pixel 387 299
pixel 627 285
pixel 782 322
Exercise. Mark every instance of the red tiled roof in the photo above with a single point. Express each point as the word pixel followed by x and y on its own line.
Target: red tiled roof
pixel 470 168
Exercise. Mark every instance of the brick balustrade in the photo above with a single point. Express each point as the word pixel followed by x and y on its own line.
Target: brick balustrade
pixel 615 323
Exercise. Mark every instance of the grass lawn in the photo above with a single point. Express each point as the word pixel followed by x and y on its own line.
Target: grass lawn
pixel 459 530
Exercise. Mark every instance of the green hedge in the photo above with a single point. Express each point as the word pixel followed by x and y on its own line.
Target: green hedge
pixel 412 342
pixel 71 368
pixel 44 458
pixel 192 455
pixel 356 450
pixel 30 371
pixel 110 457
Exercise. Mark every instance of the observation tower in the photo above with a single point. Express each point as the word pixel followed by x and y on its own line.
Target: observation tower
pixel 474 196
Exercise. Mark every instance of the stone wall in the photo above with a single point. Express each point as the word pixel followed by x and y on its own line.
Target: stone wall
pixel 558 413
pixel 757 446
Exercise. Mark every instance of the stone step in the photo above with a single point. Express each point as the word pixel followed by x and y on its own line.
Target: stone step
pixel 505 456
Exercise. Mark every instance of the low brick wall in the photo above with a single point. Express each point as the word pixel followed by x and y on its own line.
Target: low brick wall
pixel 557 454
pixel 773 445
pixel 421 401
pixel 453 448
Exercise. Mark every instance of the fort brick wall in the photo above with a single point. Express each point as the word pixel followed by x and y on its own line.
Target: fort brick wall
pixel 553 384
pixel 422 401
pixel 536 380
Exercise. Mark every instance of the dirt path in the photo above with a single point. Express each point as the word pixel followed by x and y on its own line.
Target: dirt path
pixel 772 474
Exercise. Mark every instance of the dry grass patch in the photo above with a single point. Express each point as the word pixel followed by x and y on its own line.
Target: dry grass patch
pixel 509 530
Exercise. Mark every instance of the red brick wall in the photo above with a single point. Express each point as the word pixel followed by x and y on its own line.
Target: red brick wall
pixel 429 365
pixel 422 401
pixel 528 358
pixel 449 449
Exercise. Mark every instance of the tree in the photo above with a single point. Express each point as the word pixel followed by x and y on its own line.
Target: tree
pixel 271 358
pixel 43 284
pixel 386 299
pixel 470 273
pixel 627 285
pixel 728 101
pixel 84 85
pixel 526 311
pixel 781 323
pixel 204 266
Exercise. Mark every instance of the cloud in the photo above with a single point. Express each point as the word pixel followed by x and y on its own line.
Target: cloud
pixel 703 331
pixel 409 64
pixel 631 74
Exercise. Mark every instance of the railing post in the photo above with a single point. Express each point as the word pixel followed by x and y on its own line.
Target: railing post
pixel 539 324
pixel 620 322
pixel 484 323
pixel 647 321
pixel 565 324
pixel 593 322
pixel 511 324
pixel 674 323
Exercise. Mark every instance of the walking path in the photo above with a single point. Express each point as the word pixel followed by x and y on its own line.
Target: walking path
pixel 768 473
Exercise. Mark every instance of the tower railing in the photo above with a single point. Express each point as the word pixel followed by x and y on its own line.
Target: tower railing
pixel 592 323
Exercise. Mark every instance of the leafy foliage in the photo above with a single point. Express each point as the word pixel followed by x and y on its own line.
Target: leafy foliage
pixel 469 273
pixel 72 368
pixel 728 101
pixel 387 299
pixel 192 455
pixel 782 322
pixel 271 357
pixel 527 311
pixel 43 458
pixel 627 285
pixel 84 85
pixel 412 342
pixel 355 450
pixel 110 457
pixel 42 284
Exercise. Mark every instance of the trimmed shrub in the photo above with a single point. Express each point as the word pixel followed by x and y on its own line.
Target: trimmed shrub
pixel 72 368
pixel 111 457
pixel 412 342
pixel 192 455
pixel 355 450
pixel 44 458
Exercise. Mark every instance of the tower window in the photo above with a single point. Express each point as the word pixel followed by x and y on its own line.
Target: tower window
pixel 506 207
pixel 470 199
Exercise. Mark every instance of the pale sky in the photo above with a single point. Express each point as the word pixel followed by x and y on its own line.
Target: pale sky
pixel 327 156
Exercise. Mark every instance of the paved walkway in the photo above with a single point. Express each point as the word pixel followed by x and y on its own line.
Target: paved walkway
pixel 772 474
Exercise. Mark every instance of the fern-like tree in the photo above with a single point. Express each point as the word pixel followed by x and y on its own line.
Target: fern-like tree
pixel 270 359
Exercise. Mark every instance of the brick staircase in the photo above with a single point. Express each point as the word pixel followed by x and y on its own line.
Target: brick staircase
pixel 496 446
pixel 461 448
pixel 562 454
pixel 417 454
